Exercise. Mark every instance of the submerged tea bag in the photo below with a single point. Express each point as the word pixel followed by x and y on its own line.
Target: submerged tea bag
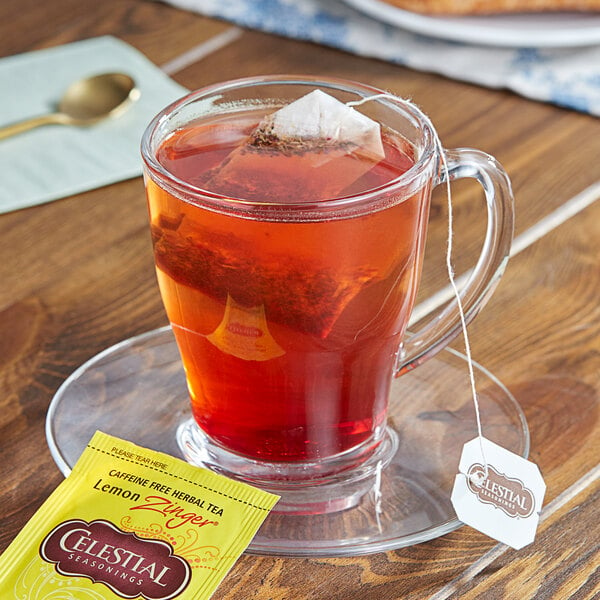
pixel 316 146
pixel 254 285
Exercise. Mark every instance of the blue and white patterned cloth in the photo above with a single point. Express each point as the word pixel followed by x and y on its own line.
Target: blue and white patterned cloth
pixel 568 77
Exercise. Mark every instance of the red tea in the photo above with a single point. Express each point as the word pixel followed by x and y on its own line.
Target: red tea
pixel 288 328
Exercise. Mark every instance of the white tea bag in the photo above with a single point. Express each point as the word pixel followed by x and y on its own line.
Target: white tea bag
pixel 311 149
pixel 318 117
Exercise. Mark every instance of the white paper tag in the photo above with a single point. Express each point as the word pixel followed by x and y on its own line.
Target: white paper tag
pixel 506 504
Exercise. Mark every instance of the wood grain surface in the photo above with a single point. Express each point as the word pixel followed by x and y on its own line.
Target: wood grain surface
pixel 77 276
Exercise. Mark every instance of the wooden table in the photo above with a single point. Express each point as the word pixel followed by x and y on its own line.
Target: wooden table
pixel 77 276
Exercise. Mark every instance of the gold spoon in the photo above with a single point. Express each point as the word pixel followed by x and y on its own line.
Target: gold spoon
pixel 85 102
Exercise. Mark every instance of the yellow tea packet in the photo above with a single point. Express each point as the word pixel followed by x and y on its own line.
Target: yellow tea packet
pixel 130 522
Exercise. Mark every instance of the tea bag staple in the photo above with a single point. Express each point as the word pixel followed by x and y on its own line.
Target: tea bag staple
pixel 316 145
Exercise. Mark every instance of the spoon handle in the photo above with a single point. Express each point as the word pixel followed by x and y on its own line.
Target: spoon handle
pixel 15 128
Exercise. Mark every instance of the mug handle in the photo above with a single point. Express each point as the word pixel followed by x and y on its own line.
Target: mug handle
pixel 482 280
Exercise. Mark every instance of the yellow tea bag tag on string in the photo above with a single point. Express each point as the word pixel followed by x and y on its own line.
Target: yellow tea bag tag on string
pixel 130 522
pixel 500 495
pixel 244 333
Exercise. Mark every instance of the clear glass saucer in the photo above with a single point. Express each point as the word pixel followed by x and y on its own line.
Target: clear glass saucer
pixel 136 390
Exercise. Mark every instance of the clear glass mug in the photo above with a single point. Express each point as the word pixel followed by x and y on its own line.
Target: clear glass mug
pixel 290 314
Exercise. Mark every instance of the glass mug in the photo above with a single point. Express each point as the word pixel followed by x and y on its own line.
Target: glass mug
pixel 289 288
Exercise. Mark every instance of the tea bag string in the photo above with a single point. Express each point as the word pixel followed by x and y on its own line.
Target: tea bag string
pixel 477 478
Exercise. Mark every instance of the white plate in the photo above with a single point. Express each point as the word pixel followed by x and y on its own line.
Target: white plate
pixel 519 30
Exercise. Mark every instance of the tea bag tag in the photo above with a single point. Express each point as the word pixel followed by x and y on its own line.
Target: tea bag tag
pixel 499 493
pixel 317 116
pixel 495 491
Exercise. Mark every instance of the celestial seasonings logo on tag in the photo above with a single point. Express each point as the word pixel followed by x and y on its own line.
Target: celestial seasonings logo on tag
pixel 504 503
pixel 509 495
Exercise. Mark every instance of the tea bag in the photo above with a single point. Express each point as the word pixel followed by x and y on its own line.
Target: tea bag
pixel 316 146
pixel 320 118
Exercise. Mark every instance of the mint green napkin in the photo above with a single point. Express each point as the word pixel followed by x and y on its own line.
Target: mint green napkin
pixel 56 161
